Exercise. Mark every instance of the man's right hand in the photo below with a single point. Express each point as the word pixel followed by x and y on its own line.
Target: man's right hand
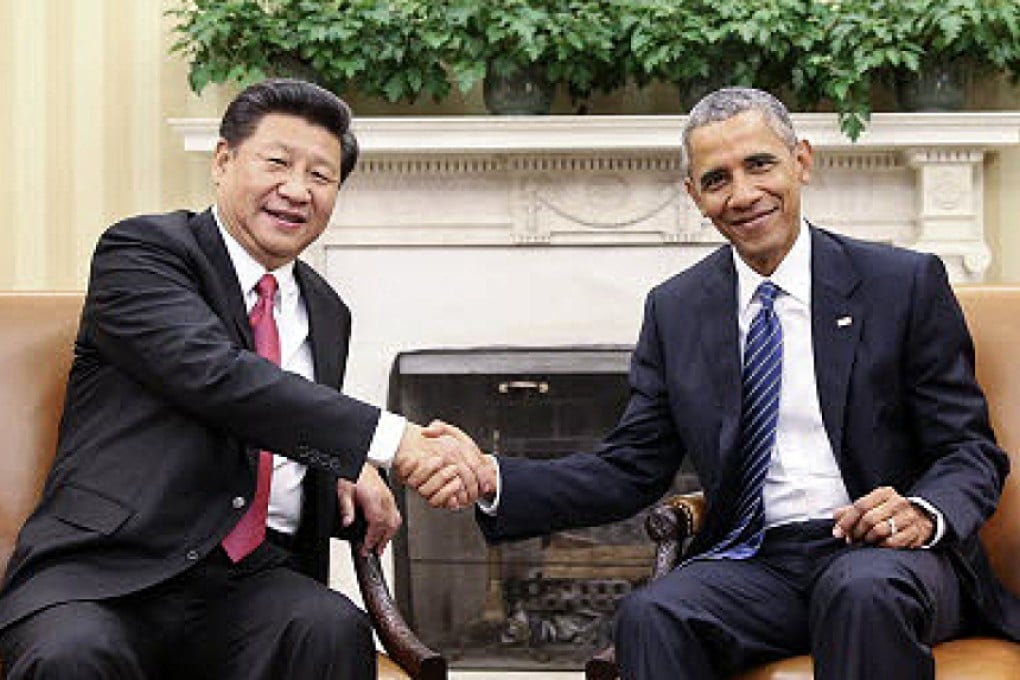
pixel 445 469
pixel 486 469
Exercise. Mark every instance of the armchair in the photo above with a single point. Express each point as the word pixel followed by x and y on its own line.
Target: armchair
pixel 992 315
pixel 36 338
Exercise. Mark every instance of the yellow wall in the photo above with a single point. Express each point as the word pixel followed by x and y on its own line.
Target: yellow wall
pixel 88 86
pixel 1002 194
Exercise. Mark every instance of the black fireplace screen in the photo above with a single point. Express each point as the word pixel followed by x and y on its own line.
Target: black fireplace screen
pixel 544 603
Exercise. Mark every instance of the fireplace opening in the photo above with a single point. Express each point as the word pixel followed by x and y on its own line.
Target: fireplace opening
pixel 544 603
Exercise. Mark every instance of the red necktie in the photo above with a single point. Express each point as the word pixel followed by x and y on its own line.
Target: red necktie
pixel 250 530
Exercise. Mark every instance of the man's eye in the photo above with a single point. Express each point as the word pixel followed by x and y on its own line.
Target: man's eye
pixel 276 162
pixel 321 179
pixel 712 182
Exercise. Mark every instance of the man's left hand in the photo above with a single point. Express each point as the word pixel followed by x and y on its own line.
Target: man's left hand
pixel 377 504
pixel 885 518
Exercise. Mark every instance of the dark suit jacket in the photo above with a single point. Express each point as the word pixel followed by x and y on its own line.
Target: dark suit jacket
pixel 896 388
pixel 167 404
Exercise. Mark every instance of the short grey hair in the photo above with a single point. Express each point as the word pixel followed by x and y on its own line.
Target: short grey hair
pixel 728 102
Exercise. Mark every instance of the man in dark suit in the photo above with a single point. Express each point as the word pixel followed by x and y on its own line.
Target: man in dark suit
pixel 169 541
pixel 847 467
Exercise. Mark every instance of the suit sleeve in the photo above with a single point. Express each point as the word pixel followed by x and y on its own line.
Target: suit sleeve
pixel 146 315
pixel 632 468
pixel 949 414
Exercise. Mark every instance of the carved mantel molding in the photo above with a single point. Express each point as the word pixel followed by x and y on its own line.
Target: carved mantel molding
pixel 912 179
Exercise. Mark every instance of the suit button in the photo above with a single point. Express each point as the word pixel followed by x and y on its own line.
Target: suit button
pixel 238 502
pixel 191 555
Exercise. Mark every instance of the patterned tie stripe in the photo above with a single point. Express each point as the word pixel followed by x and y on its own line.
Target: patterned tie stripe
pixel 761 381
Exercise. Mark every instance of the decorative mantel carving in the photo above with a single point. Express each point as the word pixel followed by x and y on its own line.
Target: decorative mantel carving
pixel 915 180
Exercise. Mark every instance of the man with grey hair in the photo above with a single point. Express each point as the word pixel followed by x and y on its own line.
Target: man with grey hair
pixel 824 389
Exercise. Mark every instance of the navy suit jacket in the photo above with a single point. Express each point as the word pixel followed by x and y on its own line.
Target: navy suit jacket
pixel 896 388
pixel 167 405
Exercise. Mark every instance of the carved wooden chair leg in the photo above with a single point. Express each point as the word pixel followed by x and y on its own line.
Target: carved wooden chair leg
pixel 399 641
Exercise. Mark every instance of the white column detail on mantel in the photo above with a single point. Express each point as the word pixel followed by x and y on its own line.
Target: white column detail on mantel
pixel 915 180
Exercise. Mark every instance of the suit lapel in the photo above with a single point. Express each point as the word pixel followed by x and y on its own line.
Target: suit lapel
pixel 319 516
pixel 720 347
pixel 837 319
pixel 323 328
pixel 226 292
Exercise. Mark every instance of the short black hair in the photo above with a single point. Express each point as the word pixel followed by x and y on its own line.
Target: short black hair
pixel 293 97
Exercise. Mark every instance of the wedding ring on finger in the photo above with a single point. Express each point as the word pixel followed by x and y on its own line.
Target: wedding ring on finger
pixel 892 526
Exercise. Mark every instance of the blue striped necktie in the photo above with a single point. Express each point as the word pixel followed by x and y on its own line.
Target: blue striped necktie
pixel 761 379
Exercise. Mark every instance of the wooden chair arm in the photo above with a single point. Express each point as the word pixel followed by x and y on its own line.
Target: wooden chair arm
pixel 397 638
pixel 678 517
pixel 669 524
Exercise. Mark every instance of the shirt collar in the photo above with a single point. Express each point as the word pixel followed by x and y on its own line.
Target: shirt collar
pixel 793 275
pixel 248 269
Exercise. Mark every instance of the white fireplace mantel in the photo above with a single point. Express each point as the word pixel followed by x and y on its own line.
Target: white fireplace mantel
pixel 525 134
pixel 911 179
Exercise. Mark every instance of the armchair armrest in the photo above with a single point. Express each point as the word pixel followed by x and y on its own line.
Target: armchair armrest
pixel 669 524
pixel 400 642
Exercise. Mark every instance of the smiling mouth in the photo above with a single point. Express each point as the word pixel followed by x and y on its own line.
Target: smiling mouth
pixel 292 219
pixel 753 220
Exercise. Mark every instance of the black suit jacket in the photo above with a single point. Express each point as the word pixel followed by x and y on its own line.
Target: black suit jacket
pixel 167 405
pixel 896 388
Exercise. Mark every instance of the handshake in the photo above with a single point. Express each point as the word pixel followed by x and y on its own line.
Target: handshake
pixel 444 465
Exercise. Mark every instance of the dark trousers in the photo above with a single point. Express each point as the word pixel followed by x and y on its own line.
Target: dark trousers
pixel 861 612
pixel 255 620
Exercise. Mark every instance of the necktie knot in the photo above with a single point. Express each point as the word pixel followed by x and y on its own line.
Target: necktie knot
pixel 263 326
pixel 266 287
pixel 767 294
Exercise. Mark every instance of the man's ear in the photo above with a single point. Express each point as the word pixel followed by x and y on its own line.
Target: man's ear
pixel 805 156
pixel 221 156
pixel 692 191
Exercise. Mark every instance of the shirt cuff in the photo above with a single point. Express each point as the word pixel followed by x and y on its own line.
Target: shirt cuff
pixel 386 440
pixel 490 507
pixel 935 514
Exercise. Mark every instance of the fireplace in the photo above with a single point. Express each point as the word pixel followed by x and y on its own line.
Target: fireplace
pixel 544 603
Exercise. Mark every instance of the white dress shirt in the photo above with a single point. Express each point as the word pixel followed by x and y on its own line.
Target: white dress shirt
pixel 803 480
pixel 291 315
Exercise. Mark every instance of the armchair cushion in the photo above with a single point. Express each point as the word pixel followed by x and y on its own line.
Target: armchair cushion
pixel 978 658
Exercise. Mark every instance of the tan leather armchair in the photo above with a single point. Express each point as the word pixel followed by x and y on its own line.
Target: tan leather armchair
pixel 36 340
pixel 993 316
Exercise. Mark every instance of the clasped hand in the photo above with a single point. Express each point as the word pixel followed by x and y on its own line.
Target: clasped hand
pixel 885 518
pixel 444 465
